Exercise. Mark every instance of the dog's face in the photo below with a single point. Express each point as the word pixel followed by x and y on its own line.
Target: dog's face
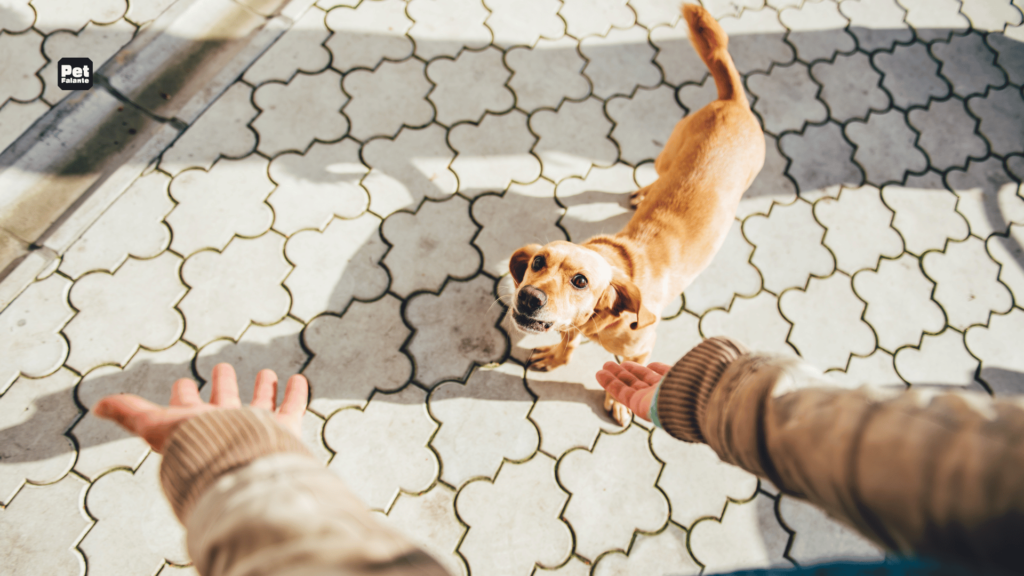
pixel 562 285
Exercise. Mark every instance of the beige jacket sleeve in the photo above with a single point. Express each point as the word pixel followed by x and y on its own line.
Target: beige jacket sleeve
pixel 919 472
pixel 255 503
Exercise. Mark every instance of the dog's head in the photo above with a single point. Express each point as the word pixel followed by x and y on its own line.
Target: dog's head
pixel 562 285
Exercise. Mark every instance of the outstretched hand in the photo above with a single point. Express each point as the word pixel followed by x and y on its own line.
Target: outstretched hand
pixel 633 384
pixel 154 423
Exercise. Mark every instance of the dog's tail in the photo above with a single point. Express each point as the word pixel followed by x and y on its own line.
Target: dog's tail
pixel 711 43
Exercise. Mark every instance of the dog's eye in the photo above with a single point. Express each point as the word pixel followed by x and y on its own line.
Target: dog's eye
pixel 538 263
pixel 579 281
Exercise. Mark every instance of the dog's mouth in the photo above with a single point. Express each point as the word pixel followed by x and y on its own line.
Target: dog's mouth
pixel 527 324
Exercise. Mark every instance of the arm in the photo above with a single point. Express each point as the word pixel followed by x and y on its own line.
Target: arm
pixel 919 472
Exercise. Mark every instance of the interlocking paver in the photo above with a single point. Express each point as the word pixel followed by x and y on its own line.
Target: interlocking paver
pixel 693 97
pixel 300 48
pixel 643 122
pixel 1008 251
pixel 947 134
pixel 756 39
pixel 857 228
pixel 46 521
pixel 523 22
pixel 729 274
pixel 98 41
pixel 620 61
pixel 990 16
pixel 429 520
pixel 524 500
pixel 878 369
pixel 967 285
pixel 573 138
pixel 1010 50
pixel 722 8
pixel 770 186
pixel 968 64
pixel 595 18
pixel 525 214
pixel 934 19
pixel 820 158
pixel 877 24
pixel 368 33
pixel 54 15
pixel 403 171
pixel 470 85
pixel 911 75
pixel 942 360
pixel 817 30
pixel 996 346
pixel 850 86
pixel 597 204
pixel 143 12
pixel 16 117
pixel 493 154
pixel 787 98
pixel 383 449
pixel 679 62
pixel 988 197
pixel 926 213
pixel 787 246
pixel 747 535
pixel 294 114
pixel 653 13
pixel 386 98
pixel 899 304
pixel 885 147
pixel 755 321
pixel 17 16
pixel 18 69
pixel 1002 119
pixel 444 27
pixel 314 187
pixel 675 336
pixel 650 555
pixel 221 131
pixel 829 302
pixel 547 74
pixel 33 344
pixel 819 538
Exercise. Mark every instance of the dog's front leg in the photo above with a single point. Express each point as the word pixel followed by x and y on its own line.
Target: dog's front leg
pixel 546 358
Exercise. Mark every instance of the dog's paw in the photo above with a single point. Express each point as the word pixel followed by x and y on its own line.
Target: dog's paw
pixel 547 358
pixel 637 197
pixel 618 411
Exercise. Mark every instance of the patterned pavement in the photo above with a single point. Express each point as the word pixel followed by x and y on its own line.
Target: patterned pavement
pixel 346 209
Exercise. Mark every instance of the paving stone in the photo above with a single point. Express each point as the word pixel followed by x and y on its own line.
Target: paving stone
pixel 493 154
pixel 819 538
pixel 756 40
pixel 679 62
pixel 223 130
pixel 525 214
pixel 620 61
pixel 315 187
pixel 947 134
pixel 595 17
pixel 523 22
pixel 966 283
pixel 926 213
pixel 850 86
pixel 876 370
pixel 817 30
pixel 755 321
pixel 468 86
pixel 597 204
pixel 546 75
pixel 294 114
pixel 300 48
pixel 36 413
pixel 428 520
pixel 570 403
pixel 693 97
pixel 968 64
pixel 942 360
pixel 46 522
pixel 935 19
pixel 831 305
pixel 911 75
pixel 213 207
pixel 819 158
pixel 771 186
pixel 651 554
pixel 644 122
pixel 1010 50
pixel 16 117
pixel 729 274
pixel 483 423
pixel 885 147
pixel 412 166
pixel 781 4
pixel 368 33
pixel 385 99
pixel 1008 251
pixel 312 434
pixel 1002 119
pixel 653 13
pixel 17 16
pixel 996 346
pixel 675 337
pixel 787 246
pixel 173 570
pixel 989 198
pixel 133 307
pixel 33 345
pixel 523 500
pixel 98 41
pixel 574 567
pixel 444 27
pixel 695 479
pixel 621 465
pixel 54 15
pixel 364 345
pixel 446 345
pixel 573 138
pixel 335 266
pixel 144 11
pixel 786 98
pixel 24 57
pixel 430 246
pixel 722 8
pixel 877 24
pixel 233 287
pixel 747 536
pixel 991 16
pixel 899 307
pixel 383 449
pixel 135 530
pixel 102 444
pixel 858 230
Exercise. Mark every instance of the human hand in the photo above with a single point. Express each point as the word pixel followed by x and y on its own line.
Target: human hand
pixel 633 384
pixel 154 423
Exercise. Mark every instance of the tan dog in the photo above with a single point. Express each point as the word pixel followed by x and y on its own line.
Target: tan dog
pixel 612 289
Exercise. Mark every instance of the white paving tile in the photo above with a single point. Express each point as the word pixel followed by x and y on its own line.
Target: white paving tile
pixel 294 114
pixel 1008 252
pixel 523 22
pixel 143 11
pixel 46 521
pixel 525 214
pixel 99 42
pixel 989 198
pixel 675 338
pixel 996 346
pixel 722 8
pixel 386 98
pixel 652 13
pixel 990 16
pixel 573 138
pixel 16 117
pixel 494 153
pixel 967 285
pixel 407 169
pixel 935 19
pixel 942 360
pixel 546 75
pixel 222 130
pixel 429 521
pixel 877 24
pixel 58 15
pixel 747 536
pixel 729 274
pixel 899 304
pixel 300 48
pixel 470 85
pixel 643 122
pixel 30 330
pixel 819 538
pixel 595 17
pixel 18 16
pixel 23 58
pixel 597 204
pixel 828 306
pixel 444 27
pixel 878 369
pixel 787 246
pixel 755 321
pixel 368 33
pixel 857 228
pixel 926 213
pixel 817 30
pixel 620 61
pixel 662 553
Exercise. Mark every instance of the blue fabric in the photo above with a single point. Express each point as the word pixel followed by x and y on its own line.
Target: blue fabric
pixel 654 405
pixel 903 567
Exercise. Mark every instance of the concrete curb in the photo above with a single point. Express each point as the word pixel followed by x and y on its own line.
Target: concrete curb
pixel 62 173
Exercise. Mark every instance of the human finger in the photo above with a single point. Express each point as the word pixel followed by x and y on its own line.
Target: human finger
pixel 127 410
pixel 644 376
pixel 296 396
pixel 264 394
pixel 622 374
pixel 615 386
pixel 185 393
pixel 225 387
pixel 660 368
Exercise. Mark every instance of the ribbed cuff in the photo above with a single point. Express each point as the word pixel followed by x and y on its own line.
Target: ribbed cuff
pixel 682 396
pixel 211 444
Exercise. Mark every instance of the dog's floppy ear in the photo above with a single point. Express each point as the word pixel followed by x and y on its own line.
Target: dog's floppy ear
pixel 627 299
pixel 520 260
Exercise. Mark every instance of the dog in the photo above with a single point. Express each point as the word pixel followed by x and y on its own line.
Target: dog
pixel 613 288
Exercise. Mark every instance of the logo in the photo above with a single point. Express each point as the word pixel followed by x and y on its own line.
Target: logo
pixel 74 73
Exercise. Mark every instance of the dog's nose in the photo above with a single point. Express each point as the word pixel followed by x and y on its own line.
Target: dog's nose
pixel 531 299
